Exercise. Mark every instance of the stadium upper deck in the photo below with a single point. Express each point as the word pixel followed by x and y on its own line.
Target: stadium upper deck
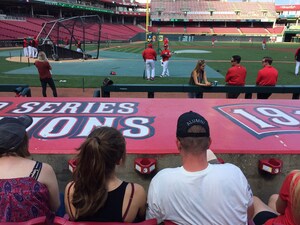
pixel 194 10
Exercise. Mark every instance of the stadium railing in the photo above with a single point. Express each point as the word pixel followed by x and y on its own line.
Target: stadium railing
pixel 19 89
pixel 152 88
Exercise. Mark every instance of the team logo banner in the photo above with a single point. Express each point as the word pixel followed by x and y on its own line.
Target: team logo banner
pixel 149 125
pixel 262 120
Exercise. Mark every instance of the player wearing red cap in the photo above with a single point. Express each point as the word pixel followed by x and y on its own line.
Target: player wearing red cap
pixel 166 55
pixel 149 56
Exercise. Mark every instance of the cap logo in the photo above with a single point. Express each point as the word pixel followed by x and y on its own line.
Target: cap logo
pixel 193 121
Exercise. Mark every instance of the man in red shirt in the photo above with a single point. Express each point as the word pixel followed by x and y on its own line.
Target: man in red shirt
pixel 235 75
pixel 166 55
pixel 149 56
pixel 267 76
pixel 25 47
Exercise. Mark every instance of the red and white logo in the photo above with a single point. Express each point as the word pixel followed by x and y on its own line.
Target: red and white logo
pixel 262 120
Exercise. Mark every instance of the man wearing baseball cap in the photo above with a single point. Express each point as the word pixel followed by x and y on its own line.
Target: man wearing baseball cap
pixel 149 56
pixel 199 192
pixel 28 189
pixel 166 55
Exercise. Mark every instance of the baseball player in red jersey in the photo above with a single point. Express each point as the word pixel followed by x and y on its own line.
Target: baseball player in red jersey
pixel 149 56
pixel 25 47
pixel 166 55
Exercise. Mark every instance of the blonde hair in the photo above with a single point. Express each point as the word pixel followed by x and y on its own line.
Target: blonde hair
pixel 42 56
pixel 295 196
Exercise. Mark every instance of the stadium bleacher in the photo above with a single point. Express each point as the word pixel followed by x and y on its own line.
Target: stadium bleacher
pixel 167 17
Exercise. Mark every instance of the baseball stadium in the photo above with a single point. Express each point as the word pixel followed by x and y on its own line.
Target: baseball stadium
pixel 100 76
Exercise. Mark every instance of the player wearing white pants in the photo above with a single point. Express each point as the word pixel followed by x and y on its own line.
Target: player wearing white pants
pixel 150 69
pixel 25 51
pixel 30 50
pixel 165 71
pixel 149 56
pixel 166 55
pixel 25 47
pixel 297 58
pixel 297 68
pixel 35 44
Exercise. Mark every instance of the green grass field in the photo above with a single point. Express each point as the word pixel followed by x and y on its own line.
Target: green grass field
pixel 218 59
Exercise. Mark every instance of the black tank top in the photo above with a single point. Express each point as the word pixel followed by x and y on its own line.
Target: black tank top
pixel 200 78
pixel 112 209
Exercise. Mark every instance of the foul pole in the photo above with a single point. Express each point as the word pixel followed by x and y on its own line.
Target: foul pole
pixel 147 19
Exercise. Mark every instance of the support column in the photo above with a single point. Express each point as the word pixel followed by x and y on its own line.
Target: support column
pixel 32 13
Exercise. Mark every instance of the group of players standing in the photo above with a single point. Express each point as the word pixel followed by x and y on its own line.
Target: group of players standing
pixel 150 56
pixel 235 76
pixel 30 47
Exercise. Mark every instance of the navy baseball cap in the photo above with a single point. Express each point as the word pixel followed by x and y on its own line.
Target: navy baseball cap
pixel 12 132
pixel 189 119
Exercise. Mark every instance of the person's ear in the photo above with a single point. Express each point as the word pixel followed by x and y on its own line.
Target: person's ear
pixel 178 144
pixel 209 142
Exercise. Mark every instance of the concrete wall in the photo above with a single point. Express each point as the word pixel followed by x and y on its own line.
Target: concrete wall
pixel 263 185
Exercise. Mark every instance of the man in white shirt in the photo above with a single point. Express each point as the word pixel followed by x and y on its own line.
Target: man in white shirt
pixel 199 192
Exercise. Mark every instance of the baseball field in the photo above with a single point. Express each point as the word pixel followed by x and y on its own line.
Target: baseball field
pixel 126 61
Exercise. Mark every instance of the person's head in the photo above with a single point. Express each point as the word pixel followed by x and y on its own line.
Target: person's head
pixel 13 136
pixel 166 46
pixel 42 56
pixel 98 156
pixel 295 196
pixel 200 66
pixel 150 45
pixel 267 61
pixel 193 135
pixel 235 59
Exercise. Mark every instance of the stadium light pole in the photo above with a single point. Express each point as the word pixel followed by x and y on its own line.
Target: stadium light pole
pixel 147 18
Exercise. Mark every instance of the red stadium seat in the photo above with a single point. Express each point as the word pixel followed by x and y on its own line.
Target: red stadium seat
pixel 146 222
pixel 168 222
pixel 63 221
pixel 38 221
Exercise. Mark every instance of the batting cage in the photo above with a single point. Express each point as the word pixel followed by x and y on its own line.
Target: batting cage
pixel 68 38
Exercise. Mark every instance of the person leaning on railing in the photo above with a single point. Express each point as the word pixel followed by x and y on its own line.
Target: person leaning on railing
pixel 267 76
pixel 198 77
pixel 236 75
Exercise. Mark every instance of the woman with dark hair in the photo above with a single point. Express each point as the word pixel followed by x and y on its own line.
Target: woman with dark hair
pixel 199 78
pixel 96 193
pixel 44 69
pixel 28 189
